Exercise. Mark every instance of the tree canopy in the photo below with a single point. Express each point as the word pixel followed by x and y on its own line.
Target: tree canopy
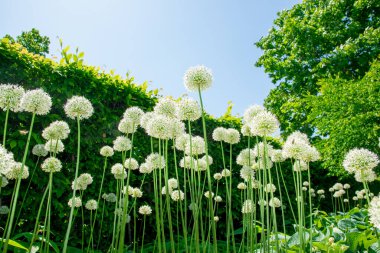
pixel 33 41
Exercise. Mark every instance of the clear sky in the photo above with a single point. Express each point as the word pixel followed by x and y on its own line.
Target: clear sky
pixel 158 40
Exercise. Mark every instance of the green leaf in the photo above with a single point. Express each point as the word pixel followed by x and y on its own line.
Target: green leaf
pixel 15 244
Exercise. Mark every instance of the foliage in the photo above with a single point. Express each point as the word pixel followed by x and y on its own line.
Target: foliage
pixel 33 41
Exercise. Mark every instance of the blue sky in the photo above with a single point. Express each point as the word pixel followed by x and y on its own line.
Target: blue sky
pixel 157 41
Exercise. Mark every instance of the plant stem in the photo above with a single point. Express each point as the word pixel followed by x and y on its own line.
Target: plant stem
pixel 5 127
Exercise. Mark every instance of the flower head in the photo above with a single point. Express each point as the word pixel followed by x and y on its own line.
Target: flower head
pixel 134 114
pixel 365 176
pixel 248 207
pixel 166 107
pixel 119 171
pixel 264 124
pixel 6 160
pixel 159 127
pixel 197 78
pixel 187 162
pixel 51 164
pixel 10 97
pixel 156 161
pixel 78 107
pixel 270 188
pixel 57 130
pixel 246 157
pixel 145 210
pixel 276 156
pixel 136 193
pixel 247 173
pixel 131 164
pixel 274 202
pixel 122 143
pixel 251 112
pixel 360 159
pixel 82 182
pixel 146 168
pixel 232 136
pixel 54 146
pixel 219 134
pixel 188 109
pixel 197 146
pixel 242 186
pixel 3 181
pixel 106 151
pixel 226 173
pixel 76 201
pixel 218 176
pixel 36 101
pixel 16 172
pixel 177 195
pixel 4 210
pixel 127 126
pixel 145 119
pixel 246 130
pixel 181 141
pixel 39 150
pixel 374 212
pixel 91 205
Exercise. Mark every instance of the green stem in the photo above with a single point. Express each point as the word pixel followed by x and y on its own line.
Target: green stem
pixel 5 127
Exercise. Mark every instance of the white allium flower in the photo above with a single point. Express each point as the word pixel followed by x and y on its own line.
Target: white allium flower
pixel 346 186
pixel 345 200
pixel 39 150
pixel 270 188
pixel 246 157
pixel 187 162
pixel 263 163
pixel 145 210
pixel 106 151
pixel 218 199
pixel 193 207
pixel 82 182
pixel 209 160
pixel 322 196
pixel 173 183
pixel 131 164
pixel 6 160
pixel 145 168
pixel 188 110
pixel 57 130
pixel 251 112
pixel 36 101
pixel 242 186
pixel 119 171
pixel 78 107
pixel 3 181
pixel 159 126
pixel 262 150
pixel 218 176
pixel 91 205
pixel 219 134
pixel 264 124
pixel 338 186
pixel 305 183
pixel 246 130
pixel 226 173
pixel 10 97
pixel 295 145
pixel 355 198
pixel 232 136
pixel 248 207
pixel 320 192
pixel 247 173
pixel 4 210
pixel 299 166
pixel 297 136
pixel 54 146
pixel 181 141
pixel 216 218
pixel 360 159
pixel 331 189
pixel 207 194
pixel 127 126
pixel 274 202
pixel 197 146
pixel 200 165
pixel 136 193
pixel 145 119
pixel 34 249
pixel 156 161
pixel 15 171
pixel 339 193
pixel 177 195
pixel 111 197
pixel 197 78
pixel 365 176
pixel 166 107
pixel 122 143
pixel 310 154
pixel 177 128
pixel 51 164
pixel 76 200
pixel 134 114
pixel 304 188
pixel 163 190
pixel 276 156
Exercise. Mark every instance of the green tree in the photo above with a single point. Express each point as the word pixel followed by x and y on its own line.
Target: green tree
pixel 33 41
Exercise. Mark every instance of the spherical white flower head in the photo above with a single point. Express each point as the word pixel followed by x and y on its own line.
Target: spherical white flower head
pixel 209 160
pixel 218 199
pixel 242 186
pixel 262 150
pixel 34 249
pixel 54 146
pixel 177 195
pixel 218 176
pixel 304 188
pixel 119 171
pixel 320 192
pixel 246 157
pixel 226 173
pixel 134 114
pixel 232 136
pixel 263 163
pixel 207 194
pixel 264 124
pixel 197 78
pixel 305 183
pixel 4 210
pixel 346 186
pixel 339 193
pixel 322 196
pixel 136 193
pixel 219 134
pixel 276 156
pixel 197 146
pixel 36 101
pixel 3 181
pixel 156 161
pixel 145 210
pixel 131 164
pixel 360 159
pixel 176 128
pixel 159 127
pixel 122 143
pixel 216 218
pixel 181 141
pixel 300 166
pixel 188 109
pixel 10 97
pixel 57 130
pixel 193 207
pixel 91 205
pixel 338 186
pixel 247 173
pixel 251 112
pixel 127 126
pixel 248 207
pixel 274 202
pixel 187 162
pixel 246 130
pixel 39 150
pixel 6 160
pixel 111 197
pixel 51 164
pixel 15 171
pixel 365 176
pixel 295 145
pixel 106 151
pixel 201 165
pixel 345 200
pixel 166 107
pixel 310 154
pixel 355 198
pixel 270 188
pixel 145 119
pixel 82 182
pixel 173 183
pixel 163 190
pixel 76 201
pixel 297 136
pixel 78 107
pixel 145 168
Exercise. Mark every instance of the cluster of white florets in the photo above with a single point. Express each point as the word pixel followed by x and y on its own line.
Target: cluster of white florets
pixel 198 78
pixel 78 107
pixel 106 151
pixel 82 182
pixel 297 146
pixel 361 162
pixel 10 97
pixel 52 165
pixel 57 130
pixel 36 101
pixel 54 146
